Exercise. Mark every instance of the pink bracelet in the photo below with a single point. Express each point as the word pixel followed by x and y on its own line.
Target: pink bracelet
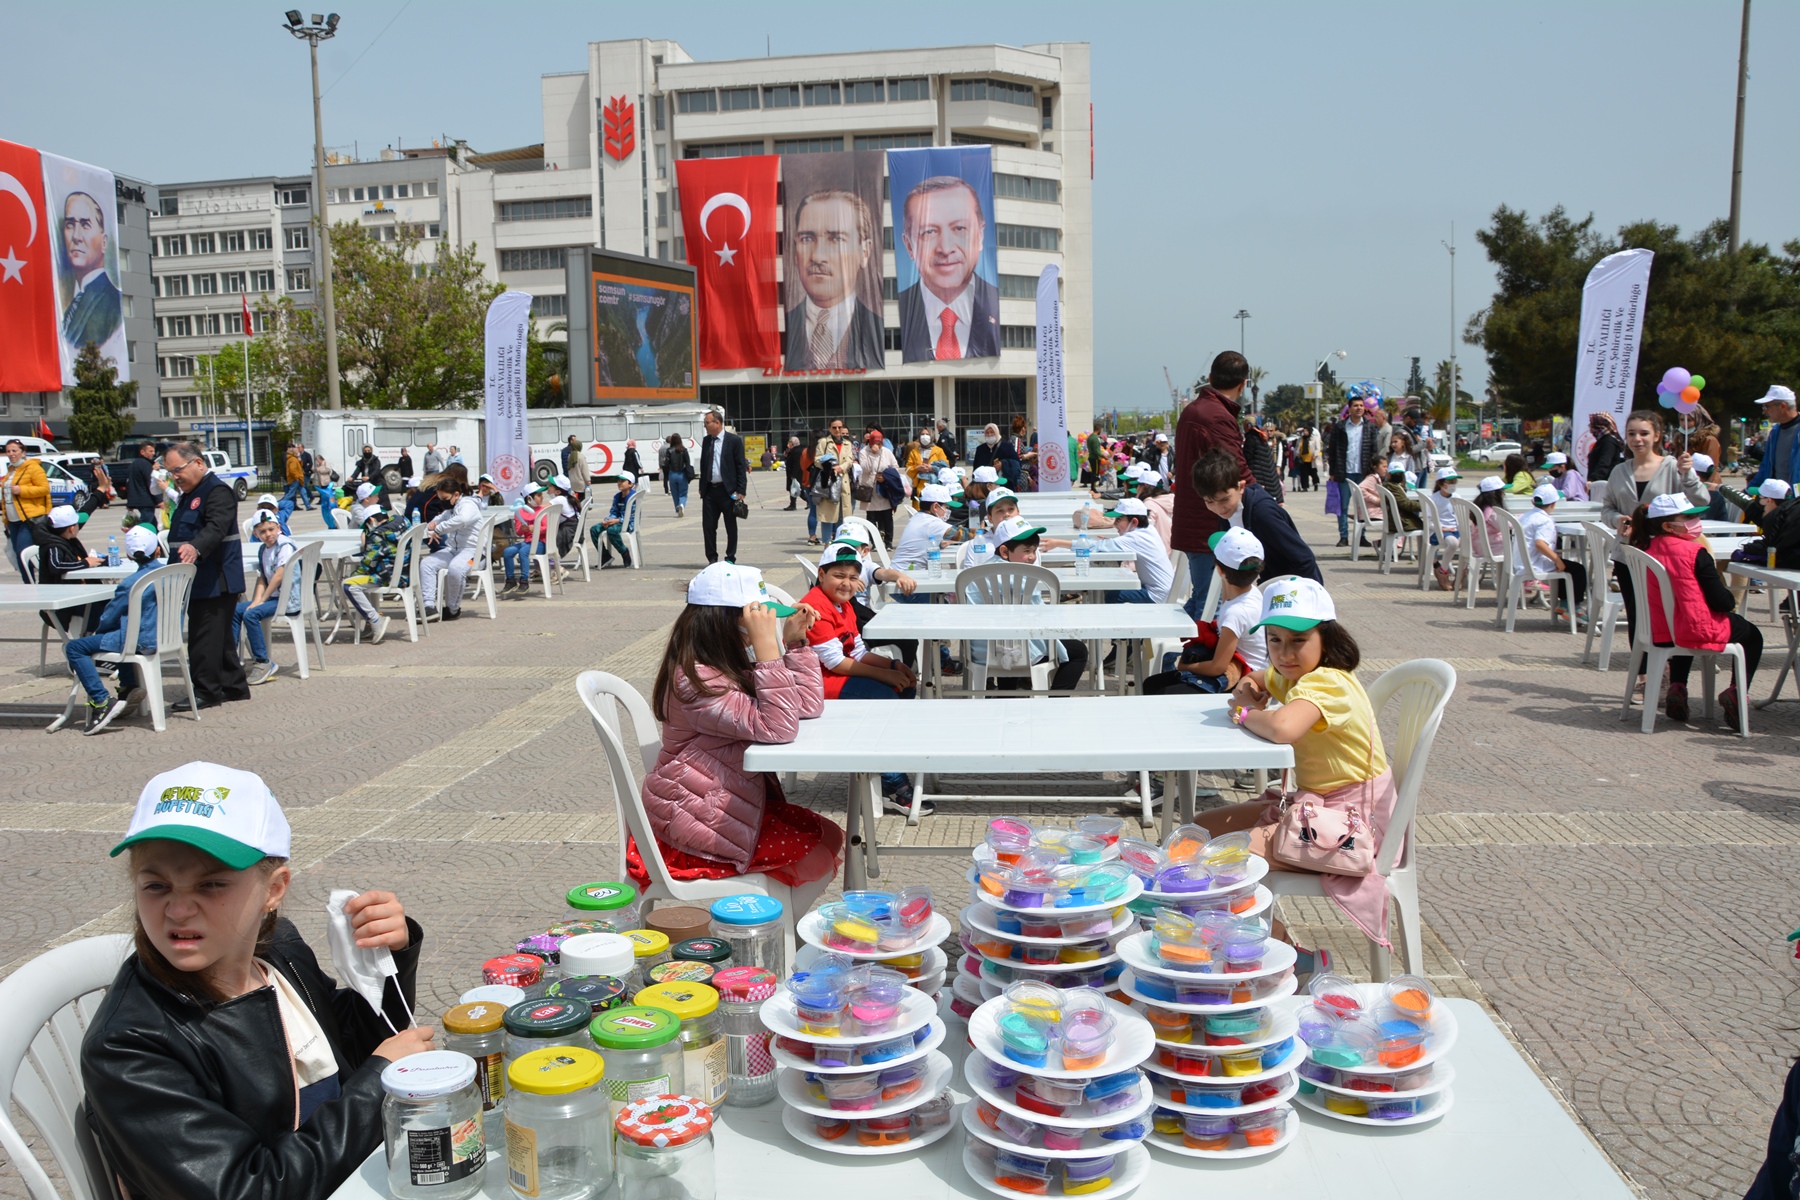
pixel 1238 715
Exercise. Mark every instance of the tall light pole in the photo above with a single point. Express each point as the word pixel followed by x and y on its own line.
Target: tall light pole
pixel 1451 247
pixel 1240 316
pixel 321 28
pixel 1737 141
pixel 1338 354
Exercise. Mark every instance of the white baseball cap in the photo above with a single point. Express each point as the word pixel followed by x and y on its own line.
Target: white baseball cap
pixel 1444 473
pixel 1296 603
pixel 1492 483
pixel 139 540
pixel 1396 466
pixel 986 475
pixel 1777 392
pixel 838 552
pixel 373 510
pixel 266 500
pixel 1556 458
pixel 1702 463
pixel 365 490
pixel 1162 437
pixel 1236 548
pixel 1151 479
pixel 1130 506
pixel 228 813
pixel 1015 529
pixel 1412 480
pixel 1773 489
pixel 483 479
pixel 732 586
pixel 1136 469
pixel 1674 504
pixel 1001 493
pixel 63 516
pixel 1545 494
pixel 628 477
pixel 562 481
pixel 937 493
pixel 265 517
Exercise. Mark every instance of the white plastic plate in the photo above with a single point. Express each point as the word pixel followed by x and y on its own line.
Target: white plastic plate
pixel 799 1127
pixel 1443 1031
pixel 1173 1144
pixel 1265 899
pixel 812 932
pixel 1136 951
pixel 1288 1089
pixel 981 916
pixel 1135 1165
pixel 1133 1042
pixel 1107 855
pixel 1284 1024
pixel 1127 983
pixel 1092 1144
pixel 1442 1076
pixel 916 1011
pixel 795 1093
pixel 1053 968
pixel 1134 887
pixel 1290 1063
pixel 933 1039
pixel 1317 1105
pixel 976 1071
pixel 1259 869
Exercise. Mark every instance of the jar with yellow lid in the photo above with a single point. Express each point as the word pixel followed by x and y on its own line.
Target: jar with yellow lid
pixel 558 1121
pixel 704 1058
pixel 650 949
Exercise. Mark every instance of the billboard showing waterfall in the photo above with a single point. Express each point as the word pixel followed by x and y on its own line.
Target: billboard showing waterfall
pixel 643 331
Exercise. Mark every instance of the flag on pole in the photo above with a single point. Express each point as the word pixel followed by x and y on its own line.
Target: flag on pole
pixel 728 213
pixel 30 348
pixel 43 430
pixel 247 330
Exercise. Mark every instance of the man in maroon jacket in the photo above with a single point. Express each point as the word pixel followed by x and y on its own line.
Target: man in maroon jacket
pixel 1209 422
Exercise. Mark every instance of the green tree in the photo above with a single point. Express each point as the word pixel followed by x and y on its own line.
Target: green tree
pixel 1287 404
pixel 101 409
pixel 1415 382
pixel 546 367
pixel 1440 404
pixel 1732 318
pixel 221 377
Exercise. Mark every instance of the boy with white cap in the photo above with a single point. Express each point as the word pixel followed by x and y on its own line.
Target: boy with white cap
pixel 1567 479
pixel 613 524
pixel 1708 471
pixel 106 635
pixel 57 537
pixel 272 561
pixel 930 524
pixel 279 510
pixel 1236 643
pixel 359 511
pixel 1541 540
pixel 1130 518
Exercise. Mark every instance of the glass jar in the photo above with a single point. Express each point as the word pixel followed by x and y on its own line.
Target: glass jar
pixel 642 1049
pixel 703 1054
pixel 679 971
pixel 503 994
pixel 678 922
pixel 600 991
pixel 479 1031
pixel 536 1024
pixel 602 954
pixel 614 903
pixel 515 970
pixel 431 1118
pixel 749 1065
pixel 557 1140
pixel 715 952
pixel 753 927
pixel 544 946
pixel 665 1150
pixel 649 948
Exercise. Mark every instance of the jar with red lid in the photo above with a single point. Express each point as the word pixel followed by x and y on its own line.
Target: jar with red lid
pixel 749 1063
pixel 515 970
pixel 665 1148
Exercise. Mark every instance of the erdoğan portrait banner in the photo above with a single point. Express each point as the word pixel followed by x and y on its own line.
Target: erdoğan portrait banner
pixel 728 217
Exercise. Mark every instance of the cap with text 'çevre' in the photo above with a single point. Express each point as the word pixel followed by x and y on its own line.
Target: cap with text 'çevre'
pixel 728 585
pixel 1237 549
pixel 228 813
pixel 1773 489
pixel 1674 504
pixel 1296 603
pixel 1015 529
pixel 1001 493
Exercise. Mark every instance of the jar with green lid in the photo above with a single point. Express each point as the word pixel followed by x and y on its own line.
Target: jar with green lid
pixel 538 1024
pixel 558 1125
pixel 479 1031
pixel 642 1049
pixel 614 903
pixel 649 947
pixel 431 1122
pixel 678 970
pixel 714 952
pixel 702 1035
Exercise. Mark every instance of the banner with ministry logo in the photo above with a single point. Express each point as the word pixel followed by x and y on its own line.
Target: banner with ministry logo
pixel 508 438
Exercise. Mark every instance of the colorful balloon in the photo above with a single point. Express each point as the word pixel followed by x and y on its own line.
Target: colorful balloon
pixel 1676 378
pixel 1686 406
pixel 1665 400
pixel 1691 394
pixel 1698 381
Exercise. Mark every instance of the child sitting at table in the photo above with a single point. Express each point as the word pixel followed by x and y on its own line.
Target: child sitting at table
pixel 1002 504
pixel 1447 541
pixel 1567 479
pixel 1230 645
pixel 1708 471
pixel 737 673
pixel 929 524
pixel 380 543
pixel 1325 715
pixel 1221 488
pixel 1490 538
pixel 1016 541
pixel 515 560
pixel 106 635
pixel 612 526
pixel 1771 507
pixel 1154 569
pixel 272 560
pixel 1541 542
pixel 1397 486
pixel 983 481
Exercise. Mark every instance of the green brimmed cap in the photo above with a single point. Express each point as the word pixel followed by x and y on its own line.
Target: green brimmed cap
pixel 1296 603
pixel 228 813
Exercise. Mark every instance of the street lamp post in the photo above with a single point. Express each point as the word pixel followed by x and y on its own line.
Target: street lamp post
pixel 1240 316
pixel 321 28
pixel 1337 354
pixel 1451 247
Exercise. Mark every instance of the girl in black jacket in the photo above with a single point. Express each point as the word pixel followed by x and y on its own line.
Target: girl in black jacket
pixel 223 1062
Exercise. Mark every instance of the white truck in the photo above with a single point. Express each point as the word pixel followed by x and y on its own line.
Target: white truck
pixel 341 434
pixel 241 479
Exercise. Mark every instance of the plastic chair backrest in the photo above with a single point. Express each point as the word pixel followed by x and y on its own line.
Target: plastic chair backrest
pixel 1643 569
pixel 406 547
pixel 810 567
pixel 28 563
pixel 1423 688
pixel 173 584
pixel 1390 512
pixel 1600 542
pixel 49 1002
pixel 1183 587
pixel 1471 524
pixel 779 595
pixel 603 694
pixel 1359 505
pixel 629 523
pixel 539 524
pixel 869 531
pixel 1005 582
pixel 304 567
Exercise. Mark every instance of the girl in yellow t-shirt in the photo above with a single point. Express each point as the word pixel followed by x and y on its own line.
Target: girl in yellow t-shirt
pixel 1324 714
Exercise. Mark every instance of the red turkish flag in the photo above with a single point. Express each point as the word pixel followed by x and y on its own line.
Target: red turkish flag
pixel 248 332
pixel 30 353
pixel 728 215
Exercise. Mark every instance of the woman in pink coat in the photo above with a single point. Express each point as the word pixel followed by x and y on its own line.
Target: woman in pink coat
pixel 737 672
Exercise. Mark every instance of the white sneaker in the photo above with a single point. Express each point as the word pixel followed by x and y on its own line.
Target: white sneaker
pixel 262 672
pixel 378 629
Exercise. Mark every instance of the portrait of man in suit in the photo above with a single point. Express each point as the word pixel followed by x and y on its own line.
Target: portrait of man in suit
pixel 832 246
pixel 951 312
pixel 94 312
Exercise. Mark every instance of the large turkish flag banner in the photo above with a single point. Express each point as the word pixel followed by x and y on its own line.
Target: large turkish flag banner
pixel 728 215
pixel 30 353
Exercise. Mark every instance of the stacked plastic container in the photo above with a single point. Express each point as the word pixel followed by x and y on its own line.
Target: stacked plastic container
pixel 1060 1106
pixel 902 931
pixel 859 1068
pixel 1376 1052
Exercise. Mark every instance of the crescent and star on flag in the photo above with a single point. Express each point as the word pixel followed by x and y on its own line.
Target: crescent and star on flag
pixel 727 253
pixel 11 265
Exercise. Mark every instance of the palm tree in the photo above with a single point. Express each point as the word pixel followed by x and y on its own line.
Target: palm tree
pixel 1257 375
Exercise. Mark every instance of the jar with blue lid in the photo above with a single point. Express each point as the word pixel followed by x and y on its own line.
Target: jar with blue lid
pixel 754 927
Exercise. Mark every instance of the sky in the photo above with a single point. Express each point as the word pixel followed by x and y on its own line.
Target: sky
pixel 1302 161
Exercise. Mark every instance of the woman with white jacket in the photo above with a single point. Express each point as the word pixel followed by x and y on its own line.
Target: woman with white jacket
pixel 455 534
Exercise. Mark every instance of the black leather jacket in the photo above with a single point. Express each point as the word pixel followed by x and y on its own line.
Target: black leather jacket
pixel 191 1100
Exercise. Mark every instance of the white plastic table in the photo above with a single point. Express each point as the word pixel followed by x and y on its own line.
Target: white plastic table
pixel 41 597
pixel 1782 579
pixel 1022 735
pixel 1064 558
pixel 1098 579
pixel 102 574
pixel 1506 1137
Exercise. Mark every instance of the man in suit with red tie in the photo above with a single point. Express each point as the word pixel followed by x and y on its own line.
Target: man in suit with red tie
pixel 724 478
pixel 951 312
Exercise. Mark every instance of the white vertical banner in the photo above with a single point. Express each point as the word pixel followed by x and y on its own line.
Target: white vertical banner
pixel 1052 416
pixel 1612 327
pixel 508 441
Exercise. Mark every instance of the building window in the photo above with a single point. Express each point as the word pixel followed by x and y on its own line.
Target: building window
pixel 892 141
pixel 234 323
pixel 1049 108
pixel 33 405
pixel 1027 187
pixel 430 186
pixel 827 145
pixel 262 239
pixel 890 339
pixel 820 93
pixel 130 308
pixel 662 208
pixel 546 259
pixel 125 262
pixel 986 139
pixel 890 288
pixel 434 231
pixel 662 161
pixel 131 352
pixel 1018 287
pixel 402 191
pixel 174 285
pixel 207 324
pixel 918 88
pixel 993 89
pixel 737 99
pixel 887 237
pixel 299 279
pixel 863 91
pixel 720 149
pixel 786 95
pixel 1018 337
pixel 263 321
pixel 288 197
pixel 296 237
pixel 547 210
pixel 550 306
pixel 171 206
pixel 231 281
pixel 174 246
pixel 657 112
pixel 662 249
pixel 697 102
pixel 177 367
pixel 206 285
pixel 180 326
pixel 234 241
pixel 1027 237
pixel 201 243
pixel 358 193
pixel 680 249
pixel 262 281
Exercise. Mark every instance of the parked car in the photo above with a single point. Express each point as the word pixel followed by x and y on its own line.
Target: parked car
pixel 1496 452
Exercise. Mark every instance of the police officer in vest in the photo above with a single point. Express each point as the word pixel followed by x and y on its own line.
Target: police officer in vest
pixel 204 531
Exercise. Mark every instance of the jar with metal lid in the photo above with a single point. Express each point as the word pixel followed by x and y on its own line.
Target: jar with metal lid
pixel 650 947
pixel 642 1049
pixel 600 991
pixel 602 954
pixel 678 970
pixel 665 1150
pixel 753 927
pixel 715 952
pixel 432 1126
pixel 515 970
pixel 614 903
pixel 678 922
pixel 536 1024
pixel 749 1065
pixel 702 1035
pixel 558 1125
pixel 479 1031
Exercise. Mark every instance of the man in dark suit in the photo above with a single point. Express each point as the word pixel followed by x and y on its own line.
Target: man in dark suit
pixel 94 312
pixel 951 312
pixel 138 496
pixel 204 531
pixel 833 244
pixel 724 479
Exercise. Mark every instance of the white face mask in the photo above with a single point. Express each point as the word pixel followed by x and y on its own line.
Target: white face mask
pixel 992 439
pixel 364 969
pixel 925 440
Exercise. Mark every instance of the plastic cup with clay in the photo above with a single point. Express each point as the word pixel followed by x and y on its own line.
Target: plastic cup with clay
pixel 1008 837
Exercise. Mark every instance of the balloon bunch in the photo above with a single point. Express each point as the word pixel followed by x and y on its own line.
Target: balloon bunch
pixel 1364 391
pixel 1680 390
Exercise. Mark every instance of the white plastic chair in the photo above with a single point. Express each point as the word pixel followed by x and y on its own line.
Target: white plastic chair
pixel 879 547
pixel 173 584
pixel 306 562
pixel 1360 521
pixel 1645 570
pixel 543 533
pixel 402 586
pixel 50 1001
pixel 1395 537
pixel 1606 607
pixel 1431 547
pixel 1476 557
pixel 603 694
pixel 1520 570
pixel 28 568
pixel 629 531
pixel 1003 582
pixel 1423 687
pixel 481 575
pixel 810 568
pixel 1179 591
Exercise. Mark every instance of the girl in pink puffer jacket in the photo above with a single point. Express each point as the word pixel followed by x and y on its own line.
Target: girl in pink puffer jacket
pixel 711 818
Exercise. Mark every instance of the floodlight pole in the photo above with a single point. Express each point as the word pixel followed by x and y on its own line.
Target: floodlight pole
pixel 314 33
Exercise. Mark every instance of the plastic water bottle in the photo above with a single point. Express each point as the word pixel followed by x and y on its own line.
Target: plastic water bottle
pixel 934 559
pixel 112 551
pixel 1084 550
pixel 979 553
